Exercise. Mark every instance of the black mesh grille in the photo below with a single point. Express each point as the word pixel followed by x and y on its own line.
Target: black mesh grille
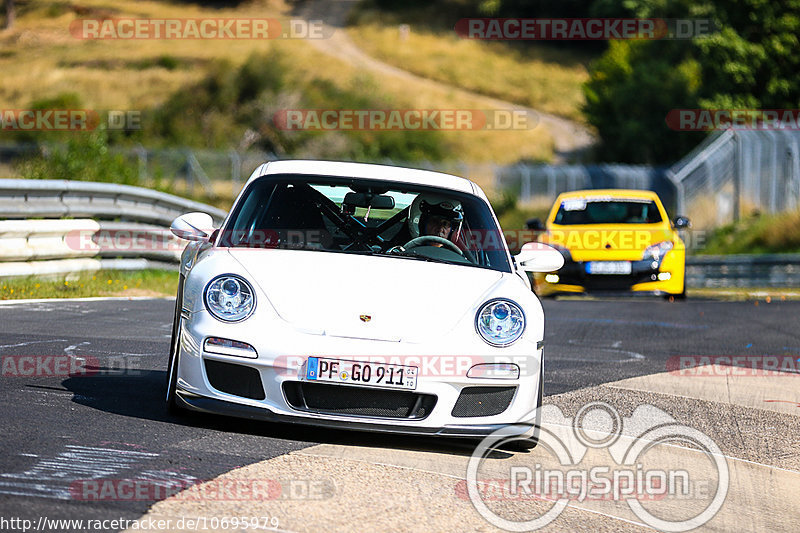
pixel 358 401
pixel 483 401
pixel 235 379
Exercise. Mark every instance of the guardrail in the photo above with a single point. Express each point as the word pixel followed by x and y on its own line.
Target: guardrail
pixel 22 198
pixel 53 227
pixel 92 226
pixel 773 270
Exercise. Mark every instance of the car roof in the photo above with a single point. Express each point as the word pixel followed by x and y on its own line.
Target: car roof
pixel 368 171
pixel 613 193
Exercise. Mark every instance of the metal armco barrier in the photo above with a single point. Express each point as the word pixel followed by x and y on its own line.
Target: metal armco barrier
pixel 52 227
pixel 21 199
pixel 775 270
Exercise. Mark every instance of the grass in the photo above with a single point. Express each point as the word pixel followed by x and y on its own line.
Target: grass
pixel 87 284
pixel 767 294
pixel 42 60
pixel 757 234
pixel 538 76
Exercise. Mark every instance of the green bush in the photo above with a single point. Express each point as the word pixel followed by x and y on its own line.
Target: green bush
pixel 85 157
pixel 233 103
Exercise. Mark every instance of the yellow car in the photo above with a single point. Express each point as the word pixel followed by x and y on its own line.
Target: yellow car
pixel 613 240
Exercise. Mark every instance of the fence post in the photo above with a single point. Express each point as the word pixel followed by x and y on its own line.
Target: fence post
pixel 236 170
pixel 773 190
pixel 526 182
pixel 141 155
pixel 551 181
pixel 737 172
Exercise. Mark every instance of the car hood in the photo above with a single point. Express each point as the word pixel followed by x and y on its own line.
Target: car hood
pixel 367 297
pixel 607 241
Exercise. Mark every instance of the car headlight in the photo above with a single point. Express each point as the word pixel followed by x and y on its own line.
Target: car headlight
pixel 500 322
pixel 658 250
pixel 230 298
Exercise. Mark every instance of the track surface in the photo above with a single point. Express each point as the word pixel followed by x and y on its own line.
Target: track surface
pixel 58 430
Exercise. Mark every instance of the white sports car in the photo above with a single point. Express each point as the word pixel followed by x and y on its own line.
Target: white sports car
pixel 358 296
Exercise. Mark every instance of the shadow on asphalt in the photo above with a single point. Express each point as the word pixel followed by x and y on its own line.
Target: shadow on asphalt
pixel 142 396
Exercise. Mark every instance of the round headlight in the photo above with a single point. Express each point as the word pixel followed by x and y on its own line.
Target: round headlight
pixel 230 298
pixel 500 322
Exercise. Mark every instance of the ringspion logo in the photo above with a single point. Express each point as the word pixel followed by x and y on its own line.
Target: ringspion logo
pixel 598 455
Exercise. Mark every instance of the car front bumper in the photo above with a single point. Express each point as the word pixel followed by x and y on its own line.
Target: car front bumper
pixel 275 375
pixel 644 278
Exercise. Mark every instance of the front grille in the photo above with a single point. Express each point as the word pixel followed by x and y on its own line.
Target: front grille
pixel 234 379
pixel 574 273
pixel 357 401
pixel 483 401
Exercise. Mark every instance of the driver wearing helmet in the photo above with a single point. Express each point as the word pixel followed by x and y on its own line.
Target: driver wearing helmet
pixel 438 217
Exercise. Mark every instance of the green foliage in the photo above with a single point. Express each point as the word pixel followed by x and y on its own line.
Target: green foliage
pixel 630 93
pixel 751 61
pixel 85 156
pixel 234 106
pixel 757 234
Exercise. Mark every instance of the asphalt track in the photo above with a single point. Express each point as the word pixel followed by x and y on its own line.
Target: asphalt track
pixel 58 429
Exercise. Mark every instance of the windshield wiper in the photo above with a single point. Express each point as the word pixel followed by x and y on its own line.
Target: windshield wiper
pixel 407 255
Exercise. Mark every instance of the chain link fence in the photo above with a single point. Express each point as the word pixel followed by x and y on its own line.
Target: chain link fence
pixel 543 183
pixel 736 172
pixel 731 173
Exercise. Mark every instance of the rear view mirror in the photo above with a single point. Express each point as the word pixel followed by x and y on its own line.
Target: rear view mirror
pixel 538 257
pixel 365 200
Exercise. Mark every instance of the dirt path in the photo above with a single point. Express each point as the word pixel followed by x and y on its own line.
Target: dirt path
pixel 570 138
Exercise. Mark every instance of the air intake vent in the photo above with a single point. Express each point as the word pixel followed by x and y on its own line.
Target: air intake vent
pixel 357 401
pixel 483 401
pixel 234 379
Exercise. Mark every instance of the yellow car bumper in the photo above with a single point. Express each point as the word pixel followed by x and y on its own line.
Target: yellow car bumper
pixel 664 277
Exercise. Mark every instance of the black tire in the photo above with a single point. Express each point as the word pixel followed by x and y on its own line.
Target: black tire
pixel 524 445
pixel 174 350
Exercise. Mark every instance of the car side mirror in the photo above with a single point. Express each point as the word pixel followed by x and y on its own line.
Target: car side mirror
pixel 535 224
pixel 192 226
pixel 538 257
pixel 682 223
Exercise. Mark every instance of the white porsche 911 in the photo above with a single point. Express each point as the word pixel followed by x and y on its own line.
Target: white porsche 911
pixel 359 296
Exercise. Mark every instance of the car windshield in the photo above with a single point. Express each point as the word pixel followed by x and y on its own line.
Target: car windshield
pixel 370 217
pixel 607 211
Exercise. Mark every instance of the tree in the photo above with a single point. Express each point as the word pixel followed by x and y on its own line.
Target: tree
pixel 11 14
pixel 750 61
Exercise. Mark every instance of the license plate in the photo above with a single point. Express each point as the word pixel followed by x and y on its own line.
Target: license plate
pixel 361 373
pixel 608 267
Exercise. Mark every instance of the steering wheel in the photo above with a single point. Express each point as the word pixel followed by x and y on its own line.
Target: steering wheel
pixel 419 241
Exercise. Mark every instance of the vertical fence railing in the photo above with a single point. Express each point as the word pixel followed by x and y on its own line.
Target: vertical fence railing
pixel 736 172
